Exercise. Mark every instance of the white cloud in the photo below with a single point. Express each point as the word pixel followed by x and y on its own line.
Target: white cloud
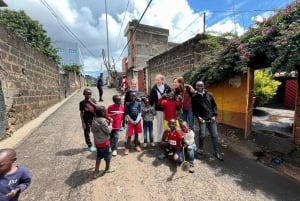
pixel 226 27
pixel 87 20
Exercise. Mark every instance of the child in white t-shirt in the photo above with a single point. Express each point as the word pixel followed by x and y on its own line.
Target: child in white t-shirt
pixel 189 144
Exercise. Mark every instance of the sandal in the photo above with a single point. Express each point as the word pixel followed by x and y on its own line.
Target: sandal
pixel 162 156
pixel 138 149
pixel 126 151
pixel 111 169
pixel 100 174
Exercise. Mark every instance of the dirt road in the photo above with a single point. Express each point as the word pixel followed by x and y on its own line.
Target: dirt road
pixel 61 168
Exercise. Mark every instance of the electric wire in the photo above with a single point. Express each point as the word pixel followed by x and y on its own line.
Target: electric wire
pixel 122 23
pixel 65 27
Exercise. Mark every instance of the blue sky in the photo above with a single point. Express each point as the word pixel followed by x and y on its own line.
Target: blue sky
pixel 86 20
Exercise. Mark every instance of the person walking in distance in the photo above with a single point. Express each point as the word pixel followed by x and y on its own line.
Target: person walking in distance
pixel 125 83
pixel 87 113
pixel 156 93
pixel 205 110
pixel 99 86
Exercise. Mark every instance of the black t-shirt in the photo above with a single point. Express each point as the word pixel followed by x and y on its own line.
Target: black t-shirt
pixel 88 110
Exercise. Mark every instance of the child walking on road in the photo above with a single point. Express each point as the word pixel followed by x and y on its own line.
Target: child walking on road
pixel 115 113
pixel 148 113
pixel 13 179
pixel 87 113
pixel 133 115
pixel 101 132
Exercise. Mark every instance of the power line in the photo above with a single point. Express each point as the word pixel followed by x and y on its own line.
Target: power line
pixel 122 23
pixel 65 27
pixel 136 26
pixel 223 11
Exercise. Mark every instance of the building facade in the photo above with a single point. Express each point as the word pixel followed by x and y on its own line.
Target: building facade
pixel 144 42
pixel 69 52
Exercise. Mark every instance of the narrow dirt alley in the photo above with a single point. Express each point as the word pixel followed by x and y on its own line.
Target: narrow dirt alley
pixel 62 167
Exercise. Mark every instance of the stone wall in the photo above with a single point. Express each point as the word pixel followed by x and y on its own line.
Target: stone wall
pixel 29 82
pixel 173 63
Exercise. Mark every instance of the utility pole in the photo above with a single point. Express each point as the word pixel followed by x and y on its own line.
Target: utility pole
pixel 107 34
pixel 204 16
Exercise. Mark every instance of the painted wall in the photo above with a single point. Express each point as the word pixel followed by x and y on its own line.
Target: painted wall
pixel 232 101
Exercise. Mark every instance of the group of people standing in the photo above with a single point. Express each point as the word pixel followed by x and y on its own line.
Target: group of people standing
pixel 174 108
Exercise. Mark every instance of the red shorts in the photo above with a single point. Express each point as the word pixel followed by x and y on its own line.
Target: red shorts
pixel 133 129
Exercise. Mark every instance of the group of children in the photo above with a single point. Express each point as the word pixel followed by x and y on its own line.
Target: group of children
pixel 105 124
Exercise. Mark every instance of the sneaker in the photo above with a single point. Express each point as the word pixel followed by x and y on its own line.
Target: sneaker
pixel 122 129
pixel 162 156
pixel 114 153
pixel 92 149
pixel 145 145
pixel 219 156
pixel 152 144
pixel 191 169
pixel 200 151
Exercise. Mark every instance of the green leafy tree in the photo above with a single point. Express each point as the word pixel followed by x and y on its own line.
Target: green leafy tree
pixel 72 68
pixel 29 30
pixel 265 86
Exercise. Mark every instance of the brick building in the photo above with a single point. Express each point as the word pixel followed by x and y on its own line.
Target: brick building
pixel 144 42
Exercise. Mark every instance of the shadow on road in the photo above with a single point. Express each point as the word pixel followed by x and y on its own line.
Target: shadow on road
pixel 79 178
pixel 71 152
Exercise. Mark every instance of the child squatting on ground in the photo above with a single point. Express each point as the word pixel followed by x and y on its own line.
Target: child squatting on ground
pixel 172 142
pixel 87 113
pixel 13 179
pixel 101 132
pixel 134 116
pixel 189 144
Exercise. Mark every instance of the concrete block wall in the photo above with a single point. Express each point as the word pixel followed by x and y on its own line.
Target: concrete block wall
pixel 172 63
pixel 29 81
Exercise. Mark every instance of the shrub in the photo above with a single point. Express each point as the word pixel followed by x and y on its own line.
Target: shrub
pixel 265 86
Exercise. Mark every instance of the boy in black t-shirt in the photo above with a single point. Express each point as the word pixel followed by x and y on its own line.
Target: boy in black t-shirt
pixel 87 113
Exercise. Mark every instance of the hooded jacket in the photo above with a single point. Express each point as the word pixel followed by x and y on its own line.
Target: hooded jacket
pixel 101 132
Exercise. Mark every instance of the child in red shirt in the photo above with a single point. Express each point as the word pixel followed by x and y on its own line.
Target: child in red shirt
pixel 170 105
pixel 172 142
pixel 115 113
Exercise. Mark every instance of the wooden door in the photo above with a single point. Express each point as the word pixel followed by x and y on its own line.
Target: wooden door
pixel 250 102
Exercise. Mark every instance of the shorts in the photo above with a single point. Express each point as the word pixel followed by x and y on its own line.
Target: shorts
pixel 104 153
pixel 134 129
pixel 166 124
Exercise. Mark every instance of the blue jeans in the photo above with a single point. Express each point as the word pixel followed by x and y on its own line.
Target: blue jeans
pixel 114 137
pixel 190 153
pixel 188 116
pixel 213 130
pixel 148 127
